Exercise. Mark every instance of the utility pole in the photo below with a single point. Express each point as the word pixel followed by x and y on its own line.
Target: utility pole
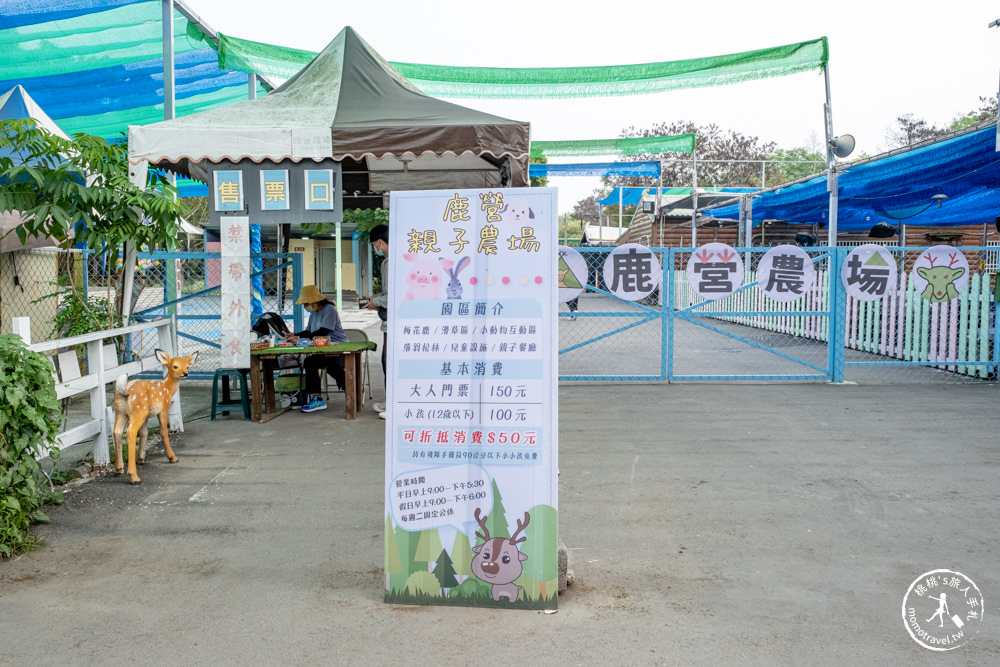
pixel 994 24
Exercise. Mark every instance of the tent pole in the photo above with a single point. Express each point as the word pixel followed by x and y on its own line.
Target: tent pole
pixel 619 210
pixel 168 59
pixel 339 271
pixel 694 200
pixel 128 279
pixel 659 196
pixel 831 174
pixel 994 24
pixel 252 86
pixel 742 217
pixel 600 226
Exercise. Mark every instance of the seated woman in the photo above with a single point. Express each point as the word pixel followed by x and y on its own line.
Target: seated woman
pixel 323 321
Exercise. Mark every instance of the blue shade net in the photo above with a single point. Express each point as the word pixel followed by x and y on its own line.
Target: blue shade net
pixel 897 188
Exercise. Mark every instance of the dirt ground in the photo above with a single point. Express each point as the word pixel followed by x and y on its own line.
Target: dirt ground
pixel 707 524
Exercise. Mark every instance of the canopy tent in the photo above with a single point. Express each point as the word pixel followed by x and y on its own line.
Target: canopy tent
pixel 17 103
pixel 625 196
pixel 902 185
pixel 97 65
pixel 348 104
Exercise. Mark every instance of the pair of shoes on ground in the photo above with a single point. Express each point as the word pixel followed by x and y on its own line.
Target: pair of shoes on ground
pixel 380 409
pixel 314 405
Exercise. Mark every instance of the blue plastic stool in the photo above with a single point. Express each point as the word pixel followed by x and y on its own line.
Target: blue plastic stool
pixel 241 376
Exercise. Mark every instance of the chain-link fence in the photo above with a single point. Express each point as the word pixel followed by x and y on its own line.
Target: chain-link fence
pixel 39 283
pixel 903 337
pixel 894 339
pixel 187 286
pixel 602 337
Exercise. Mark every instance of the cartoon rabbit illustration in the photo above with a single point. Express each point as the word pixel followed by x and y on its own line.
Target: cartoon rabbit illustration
pixel 454 288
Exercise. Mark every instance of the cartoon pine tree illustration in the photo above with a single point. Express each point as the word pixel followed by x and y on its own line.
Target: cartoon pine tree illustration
pixel 407 543
pixel 542 547
pixel 461 555
pixel 445 572
pixel 566 276
pixel 393 564
pixel 428 546
pixel 496 523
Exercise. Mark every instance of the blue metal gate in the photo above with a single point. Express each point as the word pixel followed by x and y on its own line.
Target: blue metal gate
pixel 186 285
pixel 826 335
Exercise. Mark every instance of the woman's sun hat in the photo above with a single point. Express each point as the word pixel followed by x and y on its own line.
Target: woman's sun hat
pixel 309 294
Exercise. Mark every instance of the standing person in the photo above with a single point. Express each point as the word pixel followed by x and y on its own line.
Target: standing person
pixel 324 320
pixel 379 237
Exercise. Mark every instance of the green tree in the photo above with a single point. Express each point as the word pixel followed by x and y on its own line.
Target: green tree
pixel 586 210
pixel 81 186
pixel 791 164
pixel 571 228
pixel 725 159
pixel 363 218
pixel 909 130
pixel 496 522
pixel 461 554
pixel 538 181
pixel 445 571
pixel 713 145
pixel 428 546
pixel 542 547
pixel 29 422
pixel 987 111
pixel 406 541
pixel 393 564
pixel 422 583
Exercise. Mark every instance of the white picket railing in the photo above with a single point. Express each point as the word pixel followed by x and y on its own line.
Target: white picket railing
pixel 103 367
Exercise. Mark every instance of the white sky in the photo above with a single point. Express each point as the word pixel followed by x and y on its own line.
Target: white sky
pixel 930 58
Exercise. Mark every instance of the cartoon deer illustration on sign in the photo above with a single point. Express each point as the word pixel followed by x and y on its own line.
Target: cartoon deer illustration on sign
pixel 498 561
pixel 137 400
pixel 940 279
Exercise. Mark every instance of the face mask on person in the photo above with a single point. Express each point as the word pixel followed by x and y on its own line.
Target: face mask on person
pixel 377 252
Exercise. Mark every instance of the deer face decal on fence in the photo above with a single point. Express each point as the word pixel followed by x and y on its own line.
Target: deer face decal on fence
pixel 941 279
pixel 497 561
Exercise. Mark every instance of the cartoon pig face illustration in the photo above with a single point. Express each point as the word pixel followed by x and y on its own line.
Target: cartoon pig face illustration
pixel 423 278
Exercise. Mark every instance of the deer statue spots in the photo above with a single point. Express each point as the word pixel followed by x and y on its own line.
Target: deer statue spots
pixel 137 401
pixel 940 279
pixel 497 560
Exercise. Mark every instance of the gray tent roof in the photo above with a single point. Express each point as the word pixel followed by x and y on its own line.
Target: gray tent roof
pixel 348 103
pixel 17 103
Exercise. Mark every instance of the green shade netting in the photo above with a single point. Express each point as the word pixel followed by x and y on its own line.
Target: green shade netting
pixel 245 56
pixel 677 143
pixel 549 82
pixel 98 40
